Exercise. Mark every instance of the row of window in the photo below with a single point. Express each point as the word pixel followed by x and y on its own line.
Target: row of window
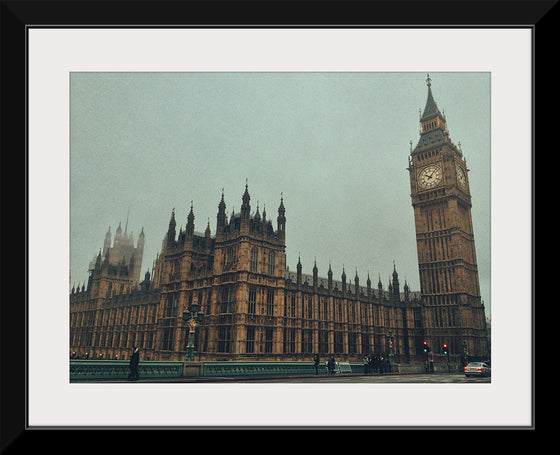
pixel 430 125
pixel 270 261
pixel 229 261
pixel 117 339
pixel 342 313
pixel 137 314
pixel 265 305
pixel 269 306
pixel 117 289
pixel 289 343
pixel 145 339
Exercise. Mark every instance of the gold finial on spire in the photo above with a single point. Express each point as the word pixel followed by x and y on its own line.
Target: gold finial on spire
pixel 428 81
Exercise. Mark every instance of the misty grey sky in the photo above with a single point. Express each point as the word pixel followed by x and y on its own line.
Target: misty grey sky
pixel 334 144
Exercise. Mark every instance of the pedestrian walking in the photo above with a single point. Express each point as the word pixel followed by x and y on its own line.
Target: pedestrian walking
pixel 133 365
pixel 331 365
pixel 371 364
pixel 366 364
pixel 316 364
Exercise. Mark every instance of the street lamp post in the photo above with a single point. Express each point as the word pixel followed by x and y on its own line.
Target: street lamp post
pixel 390 343
pixel 192 317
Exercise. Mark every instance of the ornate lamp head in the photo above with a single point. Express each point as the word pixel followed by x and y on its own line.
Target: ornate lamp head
pixel 194 308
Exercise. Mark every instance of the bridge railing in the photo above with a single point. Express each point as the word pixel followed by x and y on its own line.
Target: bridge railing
pixel 119 369
pixel 99 370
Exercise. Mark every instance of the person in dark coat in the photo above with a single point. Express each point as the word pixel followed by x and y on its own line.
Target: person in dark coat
pixel 331 365
pixel 316 363
pixel 134 361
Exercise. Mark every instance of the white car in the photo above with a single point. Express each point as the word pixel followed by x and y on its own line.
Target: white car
pixel 477 369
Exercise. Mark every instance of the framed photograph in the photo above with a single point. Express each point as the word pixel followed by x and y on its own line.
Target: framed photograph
pixel 131 121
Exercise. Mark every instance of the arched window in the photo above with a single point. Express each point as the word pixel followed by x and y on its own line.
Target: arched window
pixel 254 259
pixel 271 258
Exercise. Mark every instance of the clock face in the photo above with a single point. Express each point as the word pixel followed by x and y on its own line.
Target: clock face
pixel 430 176
pixel 461 177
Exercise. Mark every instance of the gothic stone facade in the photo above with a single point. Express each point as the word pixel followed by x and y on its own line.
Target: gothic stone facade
pixel 256 309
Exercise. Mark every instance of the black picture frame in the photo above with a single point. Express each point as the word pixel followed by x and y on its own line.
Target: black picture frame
pixel 20 16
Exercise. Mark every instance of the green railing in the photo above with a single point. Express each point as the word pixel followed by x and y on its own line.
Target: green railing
pixel 259 368
pixel 119 369
pixel 213 369
pixel 99 370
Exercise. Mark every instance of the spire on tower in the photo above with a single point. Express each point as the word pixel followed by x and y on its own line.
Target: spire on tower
pixel 221 217
pixel 171 229
pixel 433 125
pixel 245 207
pixel 431 106
pixel 190 222
pixel 281 220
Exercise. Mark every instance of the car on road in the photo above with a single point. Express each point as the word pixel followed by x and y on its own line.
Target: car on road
pixel 477 369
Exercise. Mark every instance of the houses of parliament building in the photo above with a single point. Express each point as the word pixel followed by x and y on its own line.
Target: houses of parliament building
pixel 255 308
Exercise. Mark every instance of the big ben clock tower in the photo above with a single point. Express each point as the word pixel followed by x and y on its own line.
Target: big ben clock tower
pixel 453 310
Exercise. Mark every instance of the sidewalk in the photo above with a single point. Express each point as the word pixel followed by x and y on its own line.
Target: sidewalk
pixel 220 379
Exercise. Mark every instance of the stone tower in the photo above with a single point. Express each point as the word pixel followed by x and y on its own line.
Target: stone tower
pixel 116 268
pixel 441 198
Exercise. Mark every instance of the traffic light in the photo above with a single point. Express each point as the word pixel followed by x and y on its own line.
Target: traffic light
pixel 445 351
pixel 426 347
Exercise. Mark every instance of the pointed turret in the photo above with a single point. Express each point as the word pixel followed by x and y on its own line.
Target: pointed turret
pixel 433 125
pixel 107 242
pixel 431 108
pixel 246 207
pixel 145 285
pixel 315 274
pixel 118 235
pixel 221 217
pixel 406 292
pixel 395 284
pixel 98 262
pixel 190 222
pixel 298 271
pixel 125 234
pixel 281 220
pixel 171 230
